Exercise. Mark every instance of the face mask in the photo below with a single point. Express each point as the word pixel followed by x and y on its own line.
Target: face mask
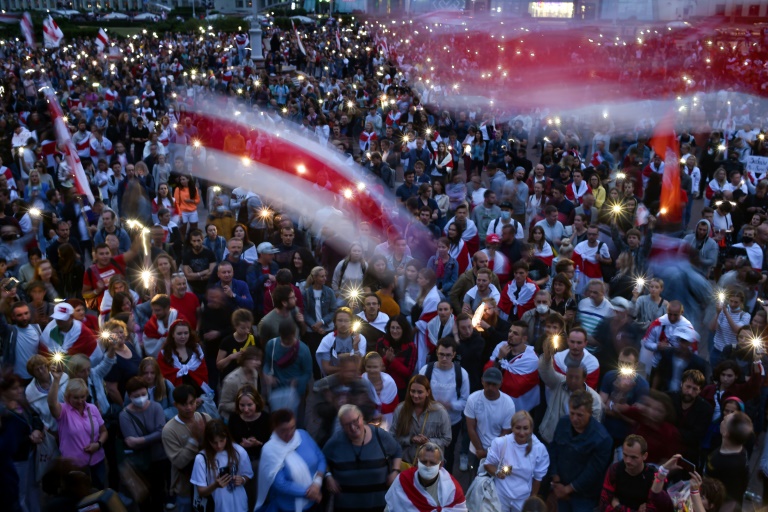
pixel 428 472
pixel 747 239
pixel 506 215
pixel 140 402
pixel 542 309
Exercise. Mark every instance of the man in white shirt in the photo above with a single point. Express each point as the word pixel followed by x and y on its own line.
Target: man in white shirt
pixel 482 290
pixel 489 415
pixel 450 387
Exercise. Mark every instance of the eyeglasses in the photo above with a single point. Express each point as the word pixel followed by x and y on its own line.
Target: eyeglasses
pixel 353 423
pixel 443 355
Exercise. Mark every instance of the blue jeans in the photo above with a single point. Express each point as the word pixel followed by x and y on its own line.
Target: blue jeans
pixel 183 504
pixel 575 504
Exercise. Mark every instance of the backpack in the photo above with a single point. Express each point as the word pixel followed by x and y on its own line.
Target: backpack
pixel 514 225
pixel 456 368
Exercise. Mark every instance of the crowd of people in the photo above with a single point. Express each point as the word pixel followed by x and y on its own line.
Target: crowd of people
pixel 172 342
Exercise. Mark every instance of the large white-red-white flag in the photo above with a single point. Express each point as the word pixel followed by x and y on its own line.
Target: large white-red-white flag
pixel 102 40
pixel 52 34
pixel 298 38
pixel 64 138
pixel 26 29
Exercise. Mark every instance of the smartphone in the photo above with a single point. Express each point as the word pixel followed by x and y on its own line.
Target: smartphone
pixel 11 284
pixel 686 465
pixel 224 471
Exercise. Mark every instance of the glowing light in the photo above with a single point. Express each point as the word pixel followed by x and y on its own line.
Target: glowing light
pixel 246 161
pixel 663 211
pixel 616 209
pixel 105 335
pixel 347 193
pixel 478 316
pixel 196 143
pixel 58 357
pixel 146 278
pixel 265 212
pixel 626 371
pixel 761 136
pixel 555 341
pixel 721 296
pixel 721 147
pixel 356 326
pixel 216 189
pixel 506 470
pixel 639 283
pixel 360 186
pixel 301 169
pixel 34 212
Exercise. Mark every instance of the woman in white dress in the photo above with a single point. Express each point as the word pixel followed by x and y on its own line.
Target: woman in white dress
pixel 518 462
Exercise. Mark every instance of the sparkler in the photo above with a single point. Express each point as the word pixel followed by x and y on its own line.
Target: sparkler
pixel 58 357
pixel 146 278
pixel 264 213
pixel 353 294
pixel 757 346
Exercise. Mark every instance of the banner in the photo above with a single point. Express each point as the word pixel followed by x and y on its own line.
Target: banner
pixel 757 164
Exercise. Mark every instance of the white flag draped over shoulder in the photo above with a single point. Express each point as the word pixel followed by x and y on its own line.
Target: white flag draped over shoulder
pixel 26 29
pixel 102 40
pixel 52 34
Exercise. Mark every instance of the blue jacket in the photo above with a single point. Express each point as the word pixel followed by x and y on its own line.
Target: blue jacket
pixel 327 306
pixel 122 237
pixel 283 493
pixel 256 279
pixel 242 298
pixel 580 459
pixel 450 276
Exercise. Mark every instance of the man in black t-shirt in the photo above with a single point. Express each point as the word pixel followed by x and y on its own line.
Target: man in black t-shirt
pixel 197 263
pixel 628 482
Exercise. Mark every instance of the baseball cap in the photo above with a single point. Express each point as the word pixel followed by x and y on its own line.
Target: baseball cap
pixel 493 238
pixel 62 311
pixel 506 204
pixel 492 375
pixel 266 248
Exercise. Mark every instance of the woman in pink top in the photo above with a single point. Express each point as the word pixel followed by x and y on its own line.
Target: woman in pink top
pixel 82 433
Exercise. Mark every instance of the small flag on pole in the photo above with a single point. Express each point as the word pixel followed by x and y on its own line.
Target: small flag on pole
pixel 26 29
pixel 102 40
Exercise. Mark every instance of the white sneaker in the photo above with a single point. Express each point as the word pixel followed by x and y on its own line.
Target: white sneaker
pixel 463 462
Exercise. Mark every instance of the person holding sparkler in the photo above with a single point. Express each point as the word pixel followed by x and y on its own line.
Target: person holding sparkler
pixel 518 462
pixel 726 324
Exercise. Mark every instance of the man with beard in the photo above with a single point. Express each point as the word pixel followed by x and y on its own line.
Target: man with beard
pixel 22 338
pixel 693 414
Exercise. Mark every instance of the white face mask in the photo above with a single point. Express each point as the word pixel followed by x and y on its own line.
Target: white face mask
pixel 428 472
pixel 140 401
pixel 542 309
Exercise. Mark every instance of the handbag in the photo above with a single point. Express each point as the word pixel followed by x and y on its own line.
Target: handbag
pixel 46 454
pixel 405 465
pixel 200 503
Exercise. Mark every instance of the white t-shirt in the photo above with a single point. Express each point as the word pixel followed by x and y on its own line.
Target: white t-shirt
pixel 318 294
pixel 443 383
pixel 492 416
pixel 225 499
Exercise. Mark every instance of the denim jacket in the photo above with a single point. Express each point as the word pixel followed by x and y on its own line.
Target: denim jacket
pixel 327 306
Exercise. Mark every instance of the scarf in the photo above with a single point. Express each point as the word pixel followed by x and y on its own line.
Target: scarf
pixel 440 270
pixel 276 454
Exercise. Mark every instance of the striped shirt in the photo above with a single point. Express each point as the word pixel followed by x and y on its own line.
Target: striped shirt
pixel 724 335
pixel 590 315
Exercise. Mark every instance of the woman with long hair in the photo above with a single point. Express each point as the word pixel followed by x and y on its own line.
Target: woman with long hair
pixel 386 389
pixel 518 462
pixel 562 294
pixel 301 266
pixel 457 248
pixel 408 288
pixel 160 388
pixel 477 151
pixel 181 359
pixel 427 303
pixel 348 274
pixel 420 419
pixel 319 306
pixel 443 162
pixel 250 255
pixel 250 427
pixel 164 267
pixel 623 282
pixel 650 306
pixel 117 284
pixel 187 197
pixel 114 338
pixel 597 189
pixel 222 469
pixel 249 362
pixel 165 199
pixel 444 265
pixel 440 198
pixel 541 248
pixel 398 352
pixel 46 274
pixel 377 267
pixel 71 270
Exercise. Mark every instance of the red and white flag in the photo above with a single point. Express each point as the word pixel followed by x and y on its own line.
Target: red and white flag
pixel 102 40
pixel 242 40
pixel 64 138
pixel 26 29
pixel 338 39
pixel 298 38
pixel 52 34
pixel 9 18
